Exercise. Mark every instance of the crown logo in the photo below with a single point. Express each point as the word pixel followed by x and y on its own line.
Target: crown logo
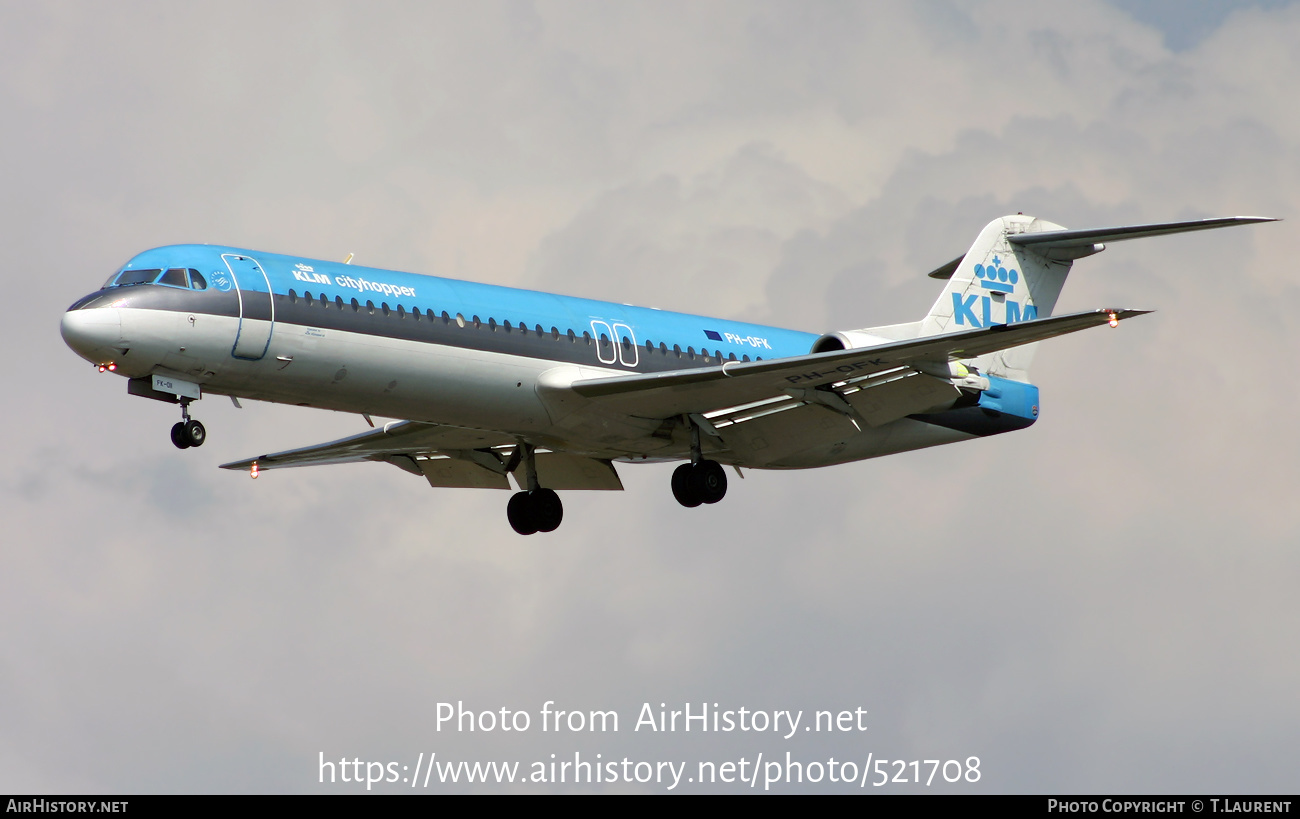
pixel 995 277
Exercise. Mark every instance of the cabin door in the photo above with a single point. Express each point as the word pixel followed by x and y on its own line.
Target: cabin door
pixel 256 308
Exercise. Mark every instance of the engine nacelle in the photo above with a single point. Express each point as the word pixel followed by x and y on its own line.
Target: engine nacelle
pixel 846 340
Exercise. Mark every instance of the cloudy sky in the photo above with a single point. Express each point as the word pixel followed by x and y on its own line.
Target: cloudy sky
pixel 1104 602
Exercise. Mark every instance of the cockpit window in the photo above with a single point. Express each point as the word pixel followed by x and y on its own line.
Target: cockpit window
pixel 174 277
pixel 136 277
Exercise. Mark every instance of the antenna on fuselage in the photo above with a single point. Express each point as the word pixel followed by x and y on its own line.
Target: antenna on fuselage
pixel 348 260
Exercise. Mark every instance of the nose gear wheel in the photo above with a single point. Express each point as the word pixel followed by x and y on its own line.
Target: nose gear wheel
pixel 188 432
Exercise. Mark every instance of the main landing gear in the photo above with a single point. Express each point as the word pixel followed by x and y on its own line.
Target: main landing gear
pixel 188 432
pixel 537 510
pixel 534 509
pixel 701 480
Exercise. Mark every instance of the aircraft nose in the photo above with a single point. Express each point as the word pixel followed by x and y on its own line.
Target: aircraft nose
pixel 93 333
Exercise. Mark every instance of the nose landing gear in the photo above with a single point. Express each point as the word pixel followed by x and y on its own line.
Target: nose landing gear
pixel 188 432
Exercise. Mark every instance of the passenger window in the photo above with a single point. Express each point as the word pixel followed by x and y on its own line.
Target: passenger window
pixel 355 306
pixel 383 305
pixel 663 348
pixel 540 331
pixel 555 334
pixel 477 324
pixel 370 306
pixel 572 338
pixel 677 351
pixel 401 313
pixel 746 358
pixel 690 353
pixel 293 297
pixel 338 302
pixel 324 300
pixel 492 324
pixel 507 325
pixel 197 281
pixel 307 298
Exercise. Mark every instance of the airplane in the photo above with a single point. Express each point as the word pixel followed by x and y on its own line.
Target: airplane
pixel 553 390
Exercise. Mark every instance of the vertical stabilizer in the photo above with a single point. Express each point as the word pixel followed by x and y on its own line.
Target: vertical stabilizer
pixel 1000 282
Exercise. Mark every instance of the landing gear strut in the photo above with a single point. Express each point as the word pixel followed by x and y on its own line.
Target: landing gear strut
pixel 188 432
pixel 535 509
pixel 701 480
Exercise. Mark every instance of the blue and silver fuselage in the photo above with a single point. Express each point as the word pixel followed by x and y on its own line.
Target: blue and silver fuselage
pixel 344 337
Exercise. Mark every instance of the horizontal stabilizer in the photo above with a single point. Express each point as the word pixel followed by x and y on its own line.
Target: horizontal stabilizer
pixel 1083 238
pixel 1086 242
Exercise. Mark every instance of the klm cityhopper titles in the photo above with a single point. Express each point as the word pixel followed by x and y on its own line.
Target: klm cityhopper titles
pixel 553 391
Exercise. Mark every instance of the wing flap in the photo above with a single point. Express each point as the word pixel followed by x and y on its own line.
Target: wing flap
pixel 561 470
pixel 454 473
pixel 900 397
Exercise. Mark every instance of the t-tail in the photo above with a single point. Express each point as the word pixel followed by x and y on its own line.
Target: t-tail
pixel 1015 271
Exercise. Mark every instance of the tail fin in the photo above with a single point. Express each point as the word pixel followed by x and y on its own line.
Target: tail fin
pixel 998 282
pixel 1015 271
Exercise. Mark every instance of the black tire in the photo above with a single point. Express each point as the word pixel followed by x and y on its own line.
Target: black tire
pixel 684 487
pixel 194 433
pixel 520 514
pixel 709 481
pixel 548 511
pixel 178 435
